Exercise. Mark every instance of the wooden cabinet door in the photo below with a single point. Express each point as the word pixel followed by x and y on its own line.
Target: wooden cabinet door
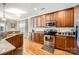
pixel 70 44
pixel 37 37
pixel 64 18
pixel 16 40
pixel 69 17
pixel 41 38
pixel 20 40
pixel 42 21
pixel 32 24
pixel 52 17
pixel 60 42
pixel 56 19
pixel 38 21
pixel 61 22
pixel 48 17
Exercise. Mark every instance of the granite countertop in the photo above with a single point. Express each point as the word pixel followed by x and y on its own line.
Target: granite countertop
pixel 57 34
pixel 11 35
pixel 66 35
pixel 6 47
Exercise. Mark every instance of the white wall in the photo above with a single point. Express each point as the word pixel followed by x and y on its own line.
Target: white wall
pixel 8 25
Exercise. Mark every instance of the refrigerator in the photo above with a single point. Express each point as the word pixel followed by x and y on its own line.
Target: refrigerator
pixel 76 21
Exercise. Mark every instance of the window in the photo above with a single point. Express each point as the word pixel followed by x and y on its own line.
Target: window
pixel 22 27
pixel 2 27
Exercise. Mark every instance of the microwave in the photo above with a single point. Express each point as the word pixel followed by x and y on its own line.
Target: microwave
pixel 51 24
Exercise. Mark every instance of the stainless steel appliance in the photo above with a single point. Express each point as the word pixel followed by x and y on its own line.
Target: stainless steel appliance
pixel 51 24
pixel 49 39
pixel 77 39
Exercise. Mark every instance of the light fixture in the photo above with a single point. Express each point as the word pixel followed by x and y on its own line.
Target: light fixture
pixel 35 9
pixel 42 8
pixel 3 18
pixel 15 11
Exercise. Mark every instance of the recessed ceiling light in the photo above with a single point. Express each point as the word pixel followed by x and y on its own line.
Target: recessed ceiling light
pixel 15 11
pixel 35 8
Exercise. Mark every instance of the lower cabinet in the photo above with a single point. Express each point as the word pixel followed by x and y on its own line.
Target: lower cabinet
pixel 70 44
pixel 16 40
pixel 60 42
pixel 37 37
pixel 65 43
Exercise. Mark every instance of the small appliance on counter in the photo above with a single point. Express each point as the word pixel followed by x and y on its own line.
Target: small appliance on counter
pixel 66 33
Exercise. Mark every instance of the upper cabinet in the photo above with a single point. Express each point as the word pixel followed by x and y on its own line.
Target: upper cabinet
pixel 52 17
pixel 59 16
pixel 63 18
pixel 48 17
pixel 69 17
pixel 43 21
pixel 34 22
pixel 39 21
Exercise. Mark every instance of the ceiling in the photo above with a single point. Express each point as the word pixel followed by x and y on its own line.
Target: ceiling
pixel 40 8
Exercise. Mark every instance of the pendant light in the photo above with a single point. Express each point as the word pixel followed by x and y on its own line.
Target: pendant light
pixel 3 19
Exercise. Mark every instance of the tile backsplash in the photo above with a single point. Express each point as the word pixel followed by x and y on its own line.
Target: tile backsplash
pixel 62 29
pixel 65 29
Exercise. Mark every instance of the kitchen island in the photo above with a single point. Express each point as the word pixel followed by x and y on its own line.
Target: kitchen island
pixel 11 42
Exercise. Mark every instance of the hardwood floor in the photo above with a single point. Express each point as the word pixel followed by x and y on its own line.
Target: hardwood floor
pixel 35 49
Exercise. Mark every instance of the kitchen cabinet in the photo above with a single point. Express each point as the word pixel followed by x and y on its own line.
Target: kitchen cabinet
pixel 41 38
pixel 60 42
pixel 16 40
pixel 70 44
pixel 61 22
pixel 37 37
pixel 52 17
pixel 48 17
pixel 38 21
pixel 63 18
pixel 69 17
pixel 33 22
pixel 58 16
pixel 56 19
pixel 42 21
pixel 65 43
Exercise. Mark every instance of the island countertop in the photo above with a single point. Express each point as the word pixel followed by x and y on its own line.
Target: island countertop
pixel 11 35
pixel 6 46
